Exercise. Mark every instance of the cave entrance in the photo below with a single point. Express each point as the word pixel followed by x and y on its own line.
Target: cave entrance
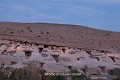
pixel 40 50
pixel 28 54
pixel 63 50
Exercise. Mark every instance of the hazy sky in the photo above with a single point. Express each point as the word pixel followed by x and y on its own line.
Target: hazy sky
pixel 101 14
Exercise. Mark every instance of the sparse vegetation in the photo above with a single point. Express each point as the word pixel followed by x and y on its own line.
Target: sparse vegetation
pixel 118 78
pixel 92 43
pixel 38 36
pixel 28 28
pixel 61 37
pixel 24 74
pixel 48 33
pixel 41 32
pixel 11 32
pixel 115 72
pixel 3 76
pixel 22 30
pixel 106 34
pixel 56 77
pixel 31 31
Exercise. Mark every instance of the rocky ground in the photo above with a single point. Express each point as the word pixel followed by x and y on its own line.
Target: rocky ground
pixel 61 35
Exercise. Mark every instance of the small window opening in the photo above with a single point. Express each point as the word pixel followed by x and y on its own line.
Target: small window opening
pixel 40 50
pixel 46 46
pixel 13 62
pixel 78 59
pixel 63 50
pixel 28 53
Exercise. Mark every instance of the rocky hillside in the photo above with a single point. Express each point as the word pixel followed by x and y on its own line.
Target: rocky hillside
pixel 60 35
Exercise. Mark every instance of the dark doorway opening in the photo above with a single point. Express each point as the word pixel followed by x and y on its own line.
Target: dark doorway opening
pixel 28 54
pixel 63 50
pixel 40 50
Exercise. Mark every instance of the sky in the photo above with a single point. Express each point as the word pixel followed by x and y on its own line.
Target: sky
pixel 100 14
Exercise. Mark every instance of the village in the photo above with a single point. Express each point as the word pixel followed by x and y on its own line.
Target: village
pixel 57 59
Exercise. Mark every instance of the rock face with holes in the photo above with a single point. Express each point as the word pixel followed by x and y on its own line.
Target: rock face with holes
pixel 51 58
pixel 60 35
